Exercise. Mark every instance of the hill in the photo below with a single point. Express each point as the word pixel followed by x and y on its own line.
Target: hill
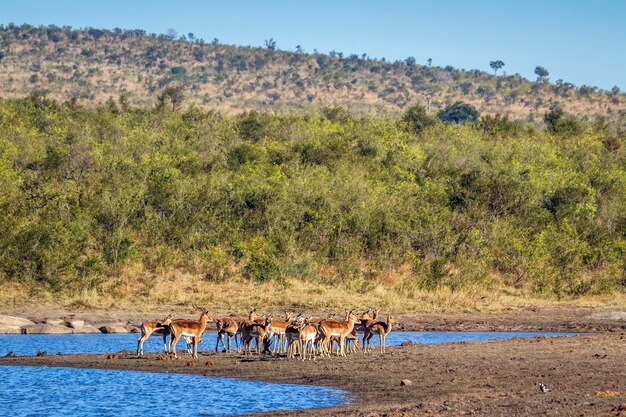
pixel 94 65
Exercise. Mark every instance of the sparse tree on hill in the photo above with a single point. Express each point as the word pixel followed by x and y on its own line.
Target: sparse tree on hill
pixel 542 73
pixel 175 94
pixel 496 65
pixel 270 44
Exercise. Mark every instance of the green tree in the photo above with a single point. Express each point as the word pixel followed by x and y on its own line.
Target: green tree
pixel 416 119
pixel 174 94
pixel 496 65
pixel 542 73
pixel 459 112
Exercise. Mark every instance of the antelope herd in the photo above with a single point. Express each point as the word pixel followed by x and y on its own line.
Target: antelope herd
pixel 296 335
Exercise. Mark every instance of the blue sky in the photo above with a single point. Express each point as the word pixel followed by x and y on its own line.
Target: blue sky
pixel 577 41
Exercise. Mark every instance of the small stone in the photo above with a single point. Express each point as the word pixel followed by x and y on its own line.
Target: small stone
pixel 406 382
pixel 210 363
pixel 112 356
pixel 191 363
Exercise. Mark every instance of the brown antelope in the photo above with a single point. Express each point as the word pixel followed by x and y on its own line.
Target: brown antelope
pixel 229 327
pixel 256 331
pixel 307 333
pixel 182 327
pixel 154 327
pixel 382 329
pixel 277 331
pixel 330 328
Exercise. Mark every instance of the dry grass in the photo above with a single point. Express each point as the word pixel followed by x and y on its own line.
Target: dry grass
pixel 143 292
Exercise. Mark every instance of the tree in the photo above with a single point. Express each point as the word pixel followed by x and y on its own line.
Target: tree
pixel 270 44
pixel 410 61
pixel 175 94
pixel 459 112
pixel 429 62
pixel 496 65
pixel 542 73
pixel 559 123
pixel 416 119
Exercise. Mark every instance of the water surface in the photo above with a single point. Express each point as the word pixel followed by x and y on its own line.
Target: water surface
pixel 107 343
pixel 61 392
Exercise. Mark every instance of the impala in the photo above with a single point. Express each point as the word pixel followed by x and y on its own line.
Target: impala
pixel 382 329
pixel 182 327
pixel 229 327
pixel 154 327
pixel 277 331
pixel 253 330
pixel 330 328
pixel 307 333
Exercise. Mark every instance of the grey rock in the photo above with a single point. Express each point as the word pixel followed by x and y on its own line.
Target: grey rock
pixel 7 329
pixel 45 329
pixel 15 321
pixel 54 322
pixel 86 329
pixel 113 329
pixel 76 324
pixel 406 382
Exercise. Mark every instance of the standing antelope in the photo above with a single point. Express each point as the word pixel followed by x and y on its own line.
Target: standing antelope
pixel 307 333
pixel 277 331
pixel 382 329
pixel 154 327
pixel 330 328
pixel 229 327
pixel 182 327
pixel 256 331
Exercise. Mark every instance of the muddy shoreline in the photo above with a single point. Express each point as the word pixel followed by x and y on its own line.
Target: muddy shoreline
pixel 586 374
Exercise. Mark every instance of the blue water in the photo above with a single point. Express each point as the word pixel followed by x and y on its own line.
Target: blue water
pixel 60 392
pixel 107 343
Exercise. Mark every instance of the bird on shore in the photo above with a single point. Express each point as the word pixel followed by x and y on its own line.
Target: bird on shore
pixel 543 387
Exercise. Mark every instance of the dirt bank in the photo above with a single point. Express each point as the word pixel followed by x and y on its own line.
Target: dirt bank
pixel 586 374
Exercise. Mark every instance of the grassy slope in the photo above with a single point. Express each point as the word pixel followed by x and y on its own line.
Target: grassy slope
pixel 95 65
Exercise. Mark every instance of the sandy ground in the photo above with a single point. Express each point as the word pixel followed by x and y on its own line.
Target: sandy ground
pixel 586 374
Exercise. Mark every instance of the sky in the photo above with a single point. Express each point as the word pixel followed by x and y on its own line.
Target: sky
pixel 577 41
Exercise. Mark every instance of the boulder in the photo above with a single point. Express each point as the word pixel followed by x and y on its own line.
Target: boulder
pixel 86 329
pixel 45 329
pixel 7 329
pixel 75 324
pixel 15 321
pixel 113 329
pixel 54 322
pixel 406 382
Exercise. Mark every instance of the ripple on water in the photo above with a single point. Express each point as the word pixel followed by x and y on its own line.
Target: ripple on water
pixel 35 391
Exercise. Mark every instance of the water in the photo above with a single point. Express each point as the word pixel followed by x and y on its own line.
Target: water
pixel 60 392
pixel 107 343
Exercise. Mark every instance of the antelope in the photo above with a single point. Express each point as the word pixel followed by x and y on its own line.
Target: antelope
pixel 382 329
pixel 153 327
pixel 254 330
pixel 330 328
pixel 182 327
pixel 229 327
pixel 307 333
pixel 278 329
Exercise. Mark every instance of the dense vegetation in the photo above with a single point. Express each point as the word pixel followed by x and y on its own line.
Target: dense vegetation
pixel 410 202
pixel 92 65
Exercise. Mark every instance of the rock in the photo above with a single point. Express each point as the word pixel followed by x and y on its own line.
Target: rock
pixel 86 329
pixel 406 382
pixel 15 321
pixel 8 329
pixel 45 329
pixel 55 322
pixel 76 324
pixel 113 329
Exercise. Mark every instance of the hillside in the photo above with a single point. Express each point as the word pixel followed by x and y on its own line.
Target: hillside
pixel 160 206
pixel 93 65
